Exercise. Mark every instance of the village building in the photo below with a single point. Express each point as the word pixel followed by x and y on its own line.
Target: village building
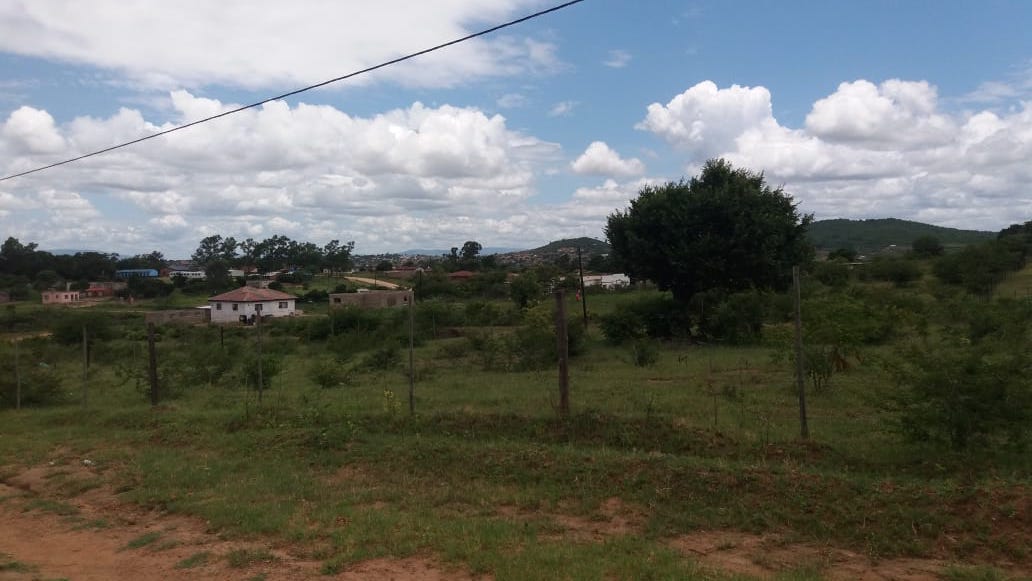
pixel 378 299
pixel 244 304
pixel 60 297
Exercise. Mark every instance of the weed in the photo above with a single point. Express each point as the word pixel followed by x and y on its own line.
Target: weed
pixel 241 558
pixel 194 560
pixel 51 506
pixel 143 540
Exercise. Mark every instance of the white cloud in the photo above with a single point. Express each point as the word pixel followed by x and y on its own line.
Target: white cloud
pixel 866 150
pixel 299 171
pixel 562 108
pixel 32 130
pixel 618 59
pixel 265 44
pixel 706 120
pixel 599 159
pixel 512 101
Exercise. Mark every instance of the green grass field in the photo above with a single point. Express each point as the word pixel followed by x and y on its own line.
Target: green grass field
pixel 486 476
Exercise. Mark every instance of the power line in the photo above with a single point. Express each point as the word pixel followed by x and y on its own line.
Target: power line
pixel 302 90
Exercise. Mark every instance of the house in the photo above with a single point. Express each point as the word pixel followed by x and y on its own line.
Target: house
pixel 188 274
pixel 607 281
pixel 380 299
pixel 243 304
pixel 136 272
pixel 60 297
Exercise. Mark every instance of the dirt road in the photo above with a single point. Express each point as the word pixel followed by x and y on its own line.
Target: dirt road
pixel 374 282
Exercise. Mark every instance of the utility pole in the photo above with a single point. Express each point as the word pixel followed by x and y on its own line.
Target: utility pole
pixel 261 382
pixel 85 367
pixel 564 353
pixel 411 358
pixel 804 429
pixel 17 378
pixel 152 365
pixel 583 295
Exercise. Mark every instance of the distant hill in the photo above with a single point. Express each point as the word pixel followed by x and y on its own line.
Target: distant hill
pixel 587 246
pixel 871 235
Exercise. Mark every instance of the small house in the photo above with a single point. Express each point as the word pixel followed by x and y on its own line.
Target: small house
pixel 379 299
pixel 60 297
pixel 127 273
pixel 246 303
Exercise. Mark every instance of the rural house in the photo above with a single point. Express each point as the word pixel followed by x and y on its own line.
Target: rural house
pixel 59 297
pixel 371 299
pixel 242 305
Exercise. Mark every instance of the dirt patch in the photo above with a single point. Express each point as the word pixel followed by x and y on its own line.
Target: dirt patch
pixel 411 569
pixel 767 556
pixel 76 541
pixel 614 518
pixel 90 535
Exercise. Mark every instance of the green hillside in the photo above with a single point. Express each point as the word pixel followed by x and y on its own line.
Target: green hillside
pixel 587 246
pixel 870 235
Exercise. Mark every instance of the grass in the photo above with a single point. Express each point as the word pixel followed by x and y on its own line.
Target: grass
pixel 143 540
pixel 242 558
pixel 51 506
pixel 8 564
pixel 706 439
pixel 194 560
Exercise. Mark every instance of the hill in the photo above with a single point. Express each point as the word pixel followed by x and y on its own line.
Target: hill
pixel 587 245
pixel 875 234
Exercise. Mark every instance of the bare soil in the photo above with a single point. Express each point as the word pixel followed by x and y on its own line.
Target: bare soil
pixel 60 521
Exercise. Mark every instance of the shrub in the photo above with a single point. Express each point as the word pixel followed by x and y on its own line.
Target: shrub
pixel 658 316
pixel 40 383
pixel 964 395
pixel 644 353
pixel 327 373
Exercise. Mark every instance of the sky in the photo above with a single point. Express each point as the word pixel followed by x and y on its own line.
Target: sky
pixel 920 110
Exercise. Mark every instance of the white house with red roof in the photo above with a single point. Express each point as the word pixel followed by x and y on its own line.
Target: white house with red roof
pixel 247 302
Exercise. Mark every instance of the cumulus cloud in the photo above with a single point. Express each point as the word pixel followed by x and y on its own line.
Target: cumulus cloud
pixel 618 59
pixel 599 159
pixel 272 44
pixel 297 170
pixel 866 150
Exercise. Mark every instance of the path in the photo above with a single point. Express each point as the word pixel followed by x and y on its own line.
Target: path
pixel 374 282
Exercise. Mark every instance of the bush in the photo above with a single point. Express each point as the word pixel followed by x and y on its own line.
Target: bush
pixel 658 316
pixel 327 373
pixel 737 319
pixel 832 273
pixel 899 271
pixel 40 383
pixel 965 396
pixel 644 353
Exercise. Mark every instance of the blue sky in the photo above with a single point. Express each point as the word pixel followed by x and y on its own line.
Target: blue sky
pixel 917 110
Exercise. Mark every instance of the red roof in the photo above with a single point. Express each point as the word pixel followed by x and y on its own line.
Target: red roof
pixel 462 274
pixel 249 294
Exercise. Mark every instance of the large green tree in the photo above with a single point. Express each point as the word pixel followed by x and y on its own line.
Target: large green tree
pixel 725 230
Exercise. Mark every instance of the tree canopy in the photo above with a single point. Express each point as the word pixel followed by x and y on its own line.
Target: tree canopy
pixel 725 230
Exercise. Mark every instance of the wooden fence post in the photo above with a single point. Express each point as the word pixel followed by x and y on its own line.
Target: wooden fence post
pixel 152 365
pixel 804 429
pixel 564 353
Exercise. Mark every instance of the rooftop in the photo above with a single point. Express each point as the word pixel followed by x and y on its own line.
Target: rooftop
pixel 248 294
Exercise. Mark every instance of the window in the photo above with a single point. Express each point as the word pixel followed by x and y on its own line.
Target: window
pixel 218 306
pixel 283 304
pixel 235 306
pixel 336 300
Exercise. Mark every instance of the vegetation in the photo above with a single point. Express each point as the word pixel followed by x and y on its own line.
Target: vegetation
pixel 725 231
pixel 684 420
pixel 868 236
